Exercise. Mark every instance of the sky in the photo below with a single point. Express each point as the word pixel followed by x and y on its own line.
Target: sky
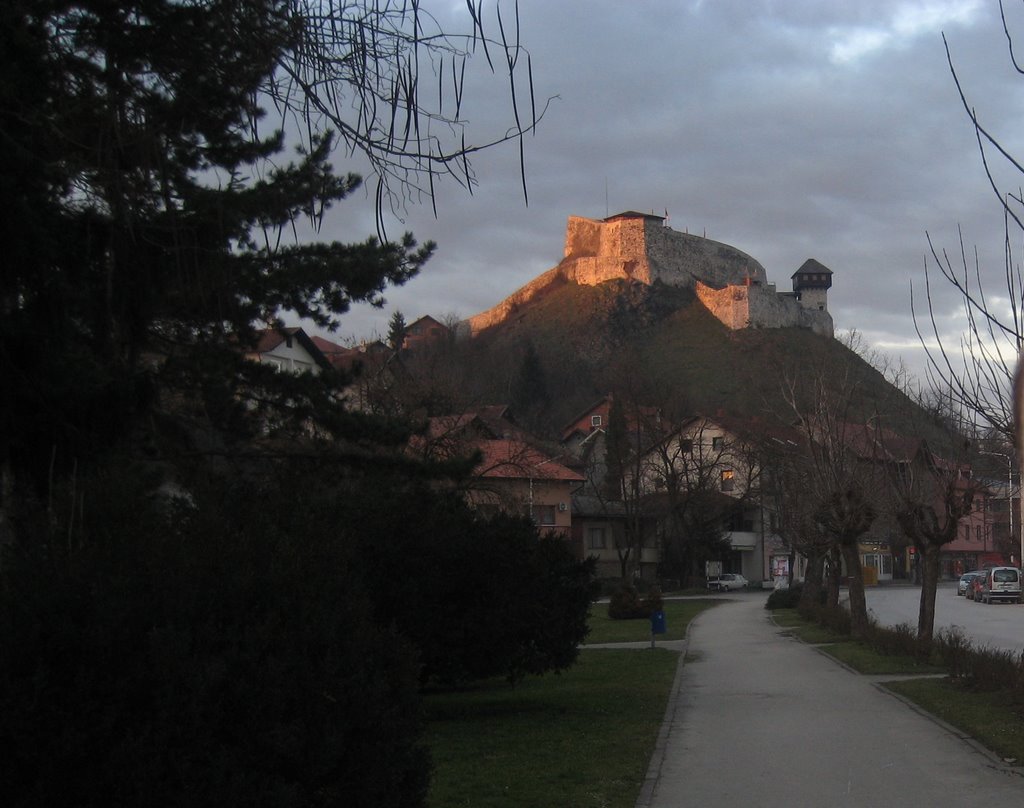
pixel 789 129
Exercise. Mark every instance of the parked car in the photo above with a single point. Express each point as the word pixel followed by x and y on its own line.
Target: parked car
pixel 1000 583
pixel 964 584
pixel 727 581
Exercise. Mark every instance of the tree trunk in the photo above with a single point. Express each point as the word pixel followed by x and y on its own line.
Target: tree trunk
pixel 813 580
pixel 623 565
pixel 858 603
pixel 834 574
pixel 929 585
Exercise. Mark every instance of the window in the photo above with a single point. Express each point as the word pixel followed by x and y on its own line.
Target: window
pixel 545 514
pixel 967 532
pixel 727 479
pixel 686 446
pixel 595 420
pixel 596 538
pixel 718 442
pixel 977 532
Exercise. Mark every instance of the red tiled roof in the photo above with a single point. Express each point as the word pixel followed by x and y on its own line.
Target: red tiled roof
pixel 512 459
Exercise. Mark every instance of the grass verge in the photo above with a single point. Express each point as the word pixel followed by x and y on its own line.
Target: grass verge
pixel 678 614
pixel 871 663
pixel 583 738
pixel 992 719
pixel 818 635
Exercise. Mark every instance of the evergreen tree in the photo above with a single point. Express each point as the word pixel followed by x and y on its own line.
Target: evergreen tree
pixel 217 646
pixel 530 397
pixel 396 331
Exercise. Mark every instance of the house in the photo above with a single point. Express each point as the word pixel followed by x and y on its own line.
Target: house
pixel 290 349
pixel 706 481
pixel 426 332
pixel 512 474
pixel 603 525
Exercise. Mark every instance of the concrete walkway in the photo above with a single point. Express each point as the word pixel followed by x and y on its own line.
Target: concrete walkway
pixel 760 719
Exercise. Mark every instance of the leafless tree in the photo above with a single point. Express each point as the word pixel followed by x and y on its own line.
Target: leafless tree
pixel 388 78
pixel 842 488
pixel 976 375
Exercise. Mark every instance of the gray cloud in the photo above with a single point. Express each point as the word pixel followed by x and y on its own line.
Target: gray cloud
pixel 788 129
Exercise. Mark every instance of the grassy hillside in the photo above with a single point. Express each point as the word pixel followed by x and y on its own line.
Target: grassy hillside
pixel 661 343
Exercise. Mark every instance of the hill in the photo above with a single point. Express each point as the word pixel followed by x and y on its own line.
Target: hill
pixel 658 343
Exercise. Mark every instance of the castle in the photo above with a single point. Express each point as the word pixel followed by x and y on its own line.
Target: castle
pixel 640 248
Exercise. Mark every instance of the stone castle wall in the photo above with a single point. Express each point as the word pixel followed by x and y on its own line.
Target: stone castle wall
pixel 639 248
pixel 757 306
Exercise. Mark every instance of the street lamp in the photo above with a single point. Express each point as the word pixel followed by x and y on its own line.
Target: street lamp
pixel 1009 502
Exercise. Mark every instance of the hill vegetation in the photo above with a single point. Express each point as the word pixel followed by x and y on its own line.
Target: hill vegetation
pixel 659 344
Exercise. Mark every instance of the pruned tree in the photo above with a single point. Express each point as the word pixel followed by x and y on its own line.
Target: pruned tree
pixel 788 489
pixel 844 491
pixel 933 495
pixel 623 483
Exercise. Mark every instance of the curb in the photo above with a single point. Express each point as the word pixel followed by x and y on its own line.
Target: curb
pixel 643 800
pixel 879 683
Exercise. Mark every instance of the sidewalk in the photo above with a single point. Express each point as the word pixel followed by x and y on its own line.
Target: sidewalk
pixel 759 719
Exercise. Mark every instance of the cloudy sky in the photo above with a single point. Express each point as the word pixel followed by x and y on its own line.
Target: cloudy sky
pixel 789 129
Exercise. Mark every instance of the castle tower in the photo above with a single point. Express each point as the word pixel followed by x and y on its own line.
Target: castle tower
pixel 811 284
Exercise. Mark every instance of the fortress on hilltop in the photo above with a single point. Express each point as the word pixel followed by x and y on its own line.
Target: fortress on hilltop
pixel 640 248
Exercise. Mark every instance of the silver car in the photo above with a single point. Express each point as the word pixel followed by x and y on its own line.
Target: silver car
pixel 730 580
pixel 963 586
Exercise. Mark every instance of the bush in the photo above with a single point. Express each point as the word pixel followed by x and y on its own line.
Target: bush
pixel 900 640
pixel 653 601
pixel 785 598
pixel 835 618
pixel 477 597
pixel 210 654
pixel 955 650
pixel 625 604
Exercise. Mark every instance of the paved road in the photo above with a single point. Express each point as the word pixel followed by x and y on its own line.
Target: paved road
pixel 997 625
pixel 763 720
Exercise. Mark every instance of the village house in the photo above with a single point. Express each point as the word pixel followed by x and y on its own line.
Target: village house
pixel 512 474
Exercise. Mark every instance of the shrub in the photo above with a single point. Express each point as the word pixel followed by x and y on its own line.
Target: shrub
pixel 900 640
pixel 212 654
pixel 835 618
pixel 653 601
pixel 784 598
pixel 955 650
pixel 477 597
pixel 625 604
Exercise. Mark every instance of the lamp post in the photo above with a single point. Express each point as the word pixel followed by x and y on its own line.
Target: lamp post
pixel 1009 504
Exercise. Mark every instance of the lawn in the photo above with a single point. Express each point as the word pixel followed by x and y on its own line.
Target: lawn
pixel 871 663
pixel 678 614
pixel 580 739
pixel 992 719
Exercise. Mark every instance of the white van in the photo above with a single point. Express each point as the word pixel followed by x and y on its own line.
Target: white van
pixel 1000 583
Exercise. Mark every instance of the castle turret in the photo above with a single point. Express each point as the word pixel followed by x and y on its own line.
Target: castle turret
pixel 811 284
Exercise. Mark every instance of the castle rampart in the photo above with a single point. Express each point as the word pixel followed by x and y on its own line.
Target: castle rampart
pixel 639 248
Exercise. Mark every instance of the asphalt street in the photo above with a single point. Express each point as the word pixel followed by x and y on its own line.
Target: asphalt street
pixel 758 718
pixel 996 625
